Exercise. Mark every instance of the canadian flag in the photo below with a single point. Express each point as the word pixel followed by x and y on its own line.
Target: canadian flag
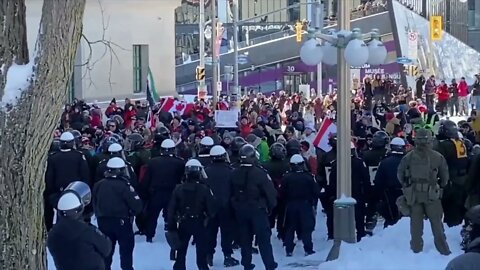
pixel 327 130
pixel 172 105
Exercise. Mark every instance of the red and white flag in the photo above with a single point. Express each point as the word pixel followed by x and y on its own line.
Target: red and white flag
pixel 176 106
pixel 327 130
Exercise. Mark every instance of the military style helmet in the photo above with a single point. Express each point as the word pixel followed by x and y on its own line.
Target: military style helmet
pixel 135 142
pixel 248 154
pixel 278 151
pixel 448 129
pixel 161 133
pixel 237 143
pixel 293 147
pixel 423 136
pixel 380 139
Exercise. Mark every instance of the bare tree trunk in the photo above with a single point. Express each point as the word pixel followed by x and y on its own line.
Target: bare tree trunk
pixel 26 135
pixel 13 37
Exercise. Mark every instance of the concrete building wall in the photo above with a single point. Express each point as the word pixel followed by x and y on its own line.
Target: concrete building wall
pixel 127 23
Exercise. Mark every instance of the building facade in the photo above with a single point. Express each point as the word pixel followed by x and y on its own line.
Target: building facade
pixel 128 38
pixel 474 24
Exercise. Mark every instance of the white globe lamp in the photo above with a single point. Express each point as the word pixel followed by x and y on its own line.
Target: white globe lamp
pixel 329 54
pixel 377 52
pixel 311 53
pixel 356 53
pixel 463 1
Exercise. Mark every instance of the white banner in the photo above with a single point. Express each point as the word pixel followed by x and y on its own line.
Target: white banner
pixel 413 45
pixel 226 119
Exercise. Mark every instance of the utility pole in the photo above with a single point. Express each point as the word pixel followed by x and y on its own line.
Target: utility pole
pixel 236 89
pixel 317 17
pixel 215 56
pixel 202 91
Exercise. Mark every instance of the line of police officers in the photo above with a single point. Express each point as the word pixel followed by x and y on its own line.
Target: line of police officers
pixel 212 192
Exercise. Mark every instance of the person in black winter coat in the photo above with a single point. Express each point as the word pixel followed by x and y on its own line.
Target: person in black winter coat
pixel 301 197
pixel 219 174
pixel 276 167
pixel 115 203
pixel 360 183
pixel 191 206
pixel 253 197
pixel 74 244
pixel 162 174
pixel 386 182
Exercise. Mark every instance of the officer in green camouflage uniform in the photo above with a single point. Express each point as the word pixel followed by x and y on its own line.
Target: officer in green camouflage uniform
pixel 423 173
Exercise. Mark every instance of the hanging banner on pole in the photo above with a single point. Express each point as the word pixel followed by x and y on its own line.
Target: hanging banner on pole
pixel 413 45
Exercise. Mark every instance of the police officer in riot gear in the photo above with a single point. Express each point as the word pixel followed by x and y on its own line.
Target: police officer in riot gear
pixel 237 143
pixel 360 183
pixel 253 197
pixel 455 152
pixel 162 174
pixel 203 155
pixel 386 183
pixel 301 195
pixel 323 177
pixel 276 167
pixel 115 203
pixel 161 133
pixel 372 159
pixel 219 174
pixel 63 167
pixel 191 206
pixel 137 154
pixel 116 150
pixel 471 258
pixel 74 244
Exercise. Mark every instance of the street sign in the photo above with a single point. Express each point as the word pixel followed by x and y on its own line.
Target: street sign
pixel 412 45
pixel 404 60
pixel 411 70
pixel 242 59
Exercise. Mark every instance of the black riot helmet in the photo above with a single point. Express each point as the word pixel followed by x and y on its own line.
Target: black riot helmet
pixel 468 145
pixel 55 146
pixel 248 154
pixel 278 151
pixel 135 142
pixel 332 140
pixel 448 130
pixel 380 139
pixel 237 143
pixel 78 138
pixel 107 141
pixel 474 215
pixel 293 147
pixel 161 133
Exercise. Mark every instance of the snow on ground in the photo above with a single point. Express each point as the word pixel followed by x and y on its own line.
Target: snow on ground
pixel 18 79
pixel 388 249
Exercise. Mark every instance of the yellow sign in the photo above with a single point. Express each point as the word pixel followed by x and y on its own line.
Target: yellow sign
pixel 299 31
pixel 436 28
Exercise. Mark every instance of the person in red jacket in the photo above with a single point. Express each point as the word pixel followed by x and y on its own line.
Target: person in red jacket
pixel 463 97
pixel 443 97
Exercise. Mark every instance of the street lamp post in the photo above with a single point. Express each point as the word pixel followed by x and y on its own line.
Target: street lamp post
pixel 344 48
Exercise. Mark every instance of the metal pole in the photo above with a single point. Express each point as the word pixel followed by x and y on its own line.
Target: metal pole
pixel 215 69
pixel 318 16
pixel 344 211
pixel 201 32
pixel 236 89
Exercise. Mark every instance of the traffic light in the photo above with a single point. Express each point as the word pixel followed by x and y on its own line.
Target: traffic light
pixel 299 31
pixel 200 73
pixel 436 28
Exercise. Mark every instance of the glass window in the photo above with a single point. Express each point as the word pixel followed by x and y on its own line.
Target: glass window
pixel 140 68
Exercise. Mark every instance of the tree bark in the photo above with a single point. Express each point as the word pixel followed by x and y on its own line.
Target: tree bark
pixel 26 135
pixel 13 37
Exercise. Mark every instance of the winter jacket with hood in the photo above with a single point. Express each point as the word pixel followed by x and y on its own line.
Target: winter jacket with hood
pixel 468 261
pixel 462 89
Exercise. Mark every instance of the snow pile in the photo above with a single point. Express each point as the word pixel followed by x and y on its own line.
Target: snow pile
pixel 19 78
pixel 389 249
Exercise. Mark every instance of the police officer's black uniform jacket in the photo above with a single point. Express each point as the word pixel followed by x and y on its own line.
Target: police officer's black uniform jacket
pixel 374 156
pixel 219 180
pixel 301 187
pixel 162 173
pixel 252 187
pixel 190 200
pixel 205 159
pixel 386 176
pixel 324 162
pixel 360 180
pixel 115 198
pixel 63 168
pixel 75 245
pixel 277 169
pixel 457 160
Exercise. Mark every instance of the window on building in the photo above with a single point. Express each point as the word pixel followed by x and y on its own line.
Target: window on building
pixel 293 13
pixel 140 68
